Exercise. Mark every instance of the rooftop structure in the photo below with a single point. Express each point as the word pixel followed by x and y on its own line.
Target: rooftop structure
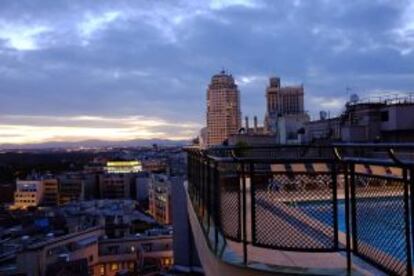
pixel 382 119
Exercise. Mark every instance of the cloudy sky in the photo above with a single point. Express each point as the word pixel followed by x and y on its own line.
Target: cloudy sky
pixel 119 70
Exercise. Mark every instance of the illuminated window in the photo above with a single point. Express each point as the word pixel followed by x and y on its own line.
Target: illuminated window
pixel 102 269
pixel 114 267
pixel 132 248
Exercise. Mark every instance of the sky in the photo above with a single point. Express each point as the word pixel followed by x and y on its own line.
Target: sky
pixel 74 70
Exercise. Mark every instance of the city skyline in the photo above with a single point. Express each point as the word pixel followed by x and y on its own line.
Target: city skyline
pixel 124 70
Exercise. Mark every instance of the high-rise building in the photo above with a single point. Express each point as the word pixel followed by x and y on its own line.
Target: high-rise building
pixel 223 108
pixel 285 114
pixel 284 100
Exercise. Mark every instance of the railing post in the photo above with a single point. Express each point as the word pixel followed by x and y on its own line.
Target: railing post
pixel 335 202
pixel 353 210
pixel 208 200
pixel 411 215
pixel 407 222
pixel 202 196
pixel 216 206
pixel 347 220
pixel 244 211
pixel 252 202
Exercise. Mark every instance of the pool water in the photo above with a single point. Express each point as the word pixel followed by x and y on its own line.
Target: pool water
pixel 379 225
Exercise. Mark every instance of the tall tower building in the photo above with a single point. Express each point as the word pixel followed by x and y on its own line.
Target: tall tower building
pixel 285 114
pixel 223 108
pixel 284 100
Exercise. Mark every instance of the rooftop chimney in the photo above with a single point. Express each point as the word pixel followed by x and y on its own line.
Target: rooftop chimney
pixel 255 124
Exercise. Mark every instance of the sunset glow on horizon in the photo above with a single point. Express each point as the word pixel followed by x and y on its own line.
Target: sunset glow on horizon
pixel 40 129
pixel 124 70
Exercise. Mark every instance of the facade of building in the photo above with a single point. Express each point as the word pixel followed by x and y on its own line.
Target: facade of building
pixel 29 193
pixel 185 254
pixel 142 255
pixel 7 192
pixel 160 198
pixel 285 114
pixel 36 192
pixel 72 187
pixel 142 183
pixel 284 100
pixel 116 185
pixel 223 109
pixel 154 165
pixel 51 192
pixel 323 130
pixel 37 257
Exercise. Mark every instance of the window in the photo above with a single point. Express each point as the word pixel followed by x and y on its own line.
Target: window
pixel 384 116
pixel 102 270
pixel 114 267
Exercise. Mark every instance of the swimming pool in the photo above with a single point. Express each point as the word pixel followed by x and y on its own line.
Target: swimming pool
pixel 380 222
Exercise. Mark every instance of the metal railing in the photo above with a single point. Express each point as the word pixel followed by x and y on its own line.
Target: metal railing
pixel 304 198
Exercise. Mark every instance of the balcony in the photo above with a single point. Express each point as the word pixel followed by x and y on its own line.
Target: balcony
pixel 334 210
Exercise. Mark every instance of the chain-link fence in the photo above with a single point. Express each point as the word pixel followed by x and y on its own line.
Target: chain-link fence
pixel 303 199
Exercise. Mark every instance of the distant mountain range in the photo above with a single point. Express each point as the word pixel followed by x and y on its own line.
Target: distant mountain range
pixel 98 143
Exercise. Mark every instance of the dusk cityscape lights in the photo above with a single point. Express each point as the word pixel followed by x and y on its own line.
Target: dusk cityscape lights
pixel 217 137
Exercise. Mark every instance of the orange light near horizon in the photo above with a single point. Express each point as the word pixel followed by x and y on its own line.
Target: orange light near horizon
pixel 31 129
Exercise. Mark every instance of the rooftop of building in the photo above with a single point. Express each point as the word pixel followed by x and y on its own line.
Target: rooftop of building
pixel 221 80
pixel 107 207
pixel 384 100
pixel 274 82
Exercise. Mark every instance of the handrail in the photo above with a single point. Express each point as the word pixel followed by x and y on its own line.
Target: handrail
pixel 352 186
pixel 339 145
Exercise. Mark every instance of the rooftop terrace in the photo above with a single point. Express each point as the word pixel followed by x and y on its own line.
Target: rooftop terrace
pixel 305 210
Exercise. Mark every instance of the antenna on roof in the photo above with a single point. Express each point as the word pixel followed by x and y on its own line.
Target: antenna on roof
pixel 348 90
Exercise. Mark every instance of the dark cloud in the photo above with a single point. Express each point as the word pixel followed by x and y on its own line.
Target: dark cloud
pixel 155 58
